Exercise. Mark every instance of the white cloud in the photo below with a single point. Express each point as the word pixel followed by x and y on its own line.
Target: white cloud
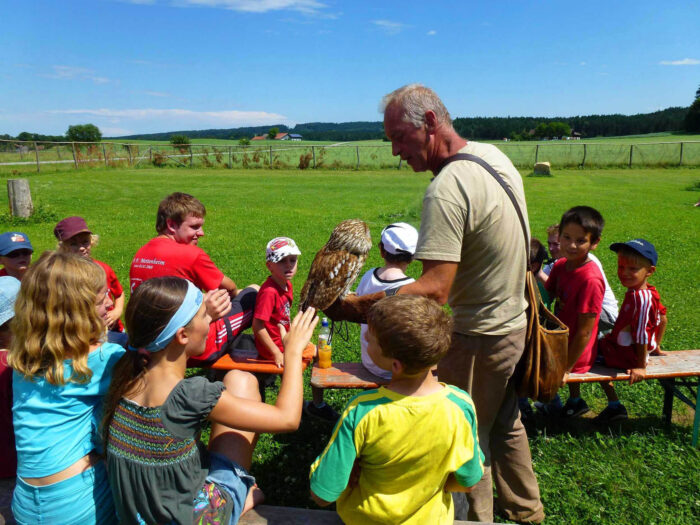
pixel 309 7
pixel 389 26
pixel 181 117
pixel 71 72
pixel 684 62
pixel 157 94
pixel 431 32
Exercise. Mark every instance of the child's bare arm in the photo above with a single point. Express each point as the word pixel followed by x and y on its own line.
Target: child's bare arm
pixel 662 330
pixel 452 485
pixel 640 371
pixel 114 314
pixel 284 416
pixel 320 502
pixel 262 335
pixel 584 332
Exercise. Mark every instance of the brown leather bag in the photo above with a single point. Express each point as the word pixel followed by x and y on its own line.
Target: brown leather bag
pixel 540 371
pixel 544 362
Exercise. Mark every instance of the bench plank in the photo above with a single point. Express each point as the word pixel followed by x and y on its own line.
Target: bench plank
pixel 681 363
pixel 269 515
pixel 248 360
pixel 345 375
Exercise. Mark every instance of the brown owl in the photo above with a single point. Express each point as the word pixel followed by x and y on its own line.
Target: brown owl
pixel 336 265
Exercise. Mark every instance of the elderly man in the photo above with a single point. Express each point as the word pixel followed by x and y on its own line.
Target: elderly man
pixel 473 252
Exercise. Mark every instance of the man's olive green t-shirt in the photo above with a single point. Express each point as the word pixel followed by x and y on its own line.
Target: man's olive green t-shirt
pixel 469 219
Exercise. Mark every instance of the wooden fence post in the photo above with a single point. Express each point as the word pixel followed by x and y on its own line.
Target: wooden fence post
pixel 631 150
pixel 75 157
pixel 36 151
pixel 357 148
pixel 399 166
pixel 313 154
pixel 583 162
pixel 104 155
pixel 230 158
pixel 58 151
pixel 537 152
pixel 20 198
pixel 150 154
pixel 680 161
pixel 270 155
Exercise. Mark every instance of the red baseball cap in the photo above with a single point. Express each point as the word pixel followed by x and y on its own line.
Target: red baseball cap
pixel 70 227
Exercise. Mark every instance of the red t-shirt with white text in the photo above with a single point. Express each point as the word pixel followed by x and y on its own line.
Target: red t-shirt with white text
pixel 162 257
pixel 272 306
pixel 579 291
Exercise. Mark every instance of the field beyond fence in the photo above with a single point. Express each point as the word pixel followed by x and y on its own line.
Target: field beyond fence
pixel 24 156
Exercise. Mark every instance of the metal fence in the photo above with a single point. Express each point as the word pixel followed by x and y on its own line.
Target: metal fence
pixel 17 155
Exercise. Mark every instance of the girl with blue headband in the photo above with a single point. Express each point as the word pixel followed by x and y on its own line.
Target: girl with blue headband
pixel 159 471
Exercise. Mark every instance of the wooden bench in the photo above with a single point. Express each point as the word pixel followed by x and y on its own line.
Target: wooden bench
pixel 247 359
pixel 269 515
pixel 678 372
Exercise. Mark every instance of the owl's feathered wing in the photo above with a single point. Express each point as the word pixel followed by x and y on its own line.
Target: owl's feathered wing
pixel 336 265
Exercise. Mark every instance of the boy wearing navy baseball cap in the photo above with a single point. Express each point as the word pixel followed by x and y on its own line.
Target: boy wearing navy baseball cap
pixel 15 254
pixel 641 324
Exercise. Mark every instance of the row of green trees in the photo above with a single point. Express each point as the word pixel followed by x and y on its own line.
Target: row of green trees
pixel 76 133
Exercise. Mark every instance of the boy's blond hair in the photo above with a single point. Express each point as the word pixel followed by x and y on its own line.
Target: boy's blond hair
pixel 413 329
pixel 62 247
pixel 554 228
pixel 56 318
pixel 177 206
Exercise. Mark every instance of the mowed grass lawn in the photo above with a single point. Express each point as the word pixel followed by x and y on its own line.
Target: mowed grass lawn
pixel 633 472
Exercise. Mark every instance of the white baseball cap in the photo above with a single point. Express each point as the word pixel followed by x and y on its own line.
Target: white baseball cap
pixel 399 238
pixel 9 288
pixel 279 247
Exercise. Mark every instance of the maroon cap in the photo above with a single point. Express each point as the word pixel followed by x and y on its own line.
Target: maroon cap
pixel 69 227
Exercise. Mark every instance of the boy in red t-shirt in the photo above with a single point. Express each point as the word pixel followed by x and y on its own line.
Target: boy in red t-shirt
pixel 274 301
pixel 639 327
pixel 578 286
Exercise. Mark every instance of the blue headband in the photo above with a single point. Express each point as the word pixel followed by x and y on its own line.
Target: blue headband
pixel 188 309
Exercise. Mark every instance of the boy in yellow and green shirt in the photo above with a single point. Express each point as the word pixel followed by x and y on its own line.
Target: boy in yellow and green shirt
pixel 398 451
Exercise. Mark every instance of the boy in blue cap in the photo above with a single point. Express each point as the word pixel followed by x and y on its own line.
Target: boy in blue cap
pixel 15 254
pixel 639 327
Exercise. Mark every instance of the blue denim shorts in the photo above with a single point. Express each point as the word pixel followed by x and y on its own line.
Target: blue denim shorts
pixel 84 498
pixel 233 478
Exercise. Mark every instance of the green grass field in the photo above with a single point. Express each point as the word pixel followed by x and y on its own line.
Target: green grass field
pixel 633 472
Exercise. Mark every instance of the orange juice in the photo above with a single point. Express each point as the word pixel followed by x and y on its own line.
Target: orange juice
pixel 324 356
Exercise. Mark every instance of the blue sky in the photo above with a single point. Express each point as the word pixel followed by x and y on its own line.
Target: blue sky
pixel 140 66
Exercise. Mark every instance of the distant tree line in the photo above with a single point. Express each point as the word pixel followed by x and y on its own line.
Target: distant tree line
pixel 494 128
pixel 479 128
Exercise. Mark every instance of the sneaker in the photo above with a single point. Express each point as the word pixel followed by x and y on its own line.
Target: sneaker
pixel 610 414
pixel 575 408
pixel 322 411
pixel 551 409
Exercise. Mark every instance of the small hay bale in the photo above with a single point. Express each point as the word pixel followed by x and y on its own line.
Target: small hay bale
pixel 543 168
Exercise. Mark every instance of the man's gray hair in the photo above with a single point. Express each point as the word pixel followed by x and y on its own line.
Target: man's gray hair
pixel 414 100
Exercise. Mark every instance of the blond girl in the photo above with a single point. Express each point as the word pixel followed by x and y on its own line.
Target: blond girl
pixel 62 370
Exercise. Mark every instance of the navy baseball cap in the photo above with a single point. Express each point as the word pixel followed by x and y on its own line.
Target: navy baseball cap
pixel 11 241
pixel 641 246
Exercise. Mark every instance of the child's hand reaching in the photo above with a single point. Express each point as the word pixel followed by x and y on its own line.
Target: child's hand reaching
pixel 217 303
pixel 299 335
